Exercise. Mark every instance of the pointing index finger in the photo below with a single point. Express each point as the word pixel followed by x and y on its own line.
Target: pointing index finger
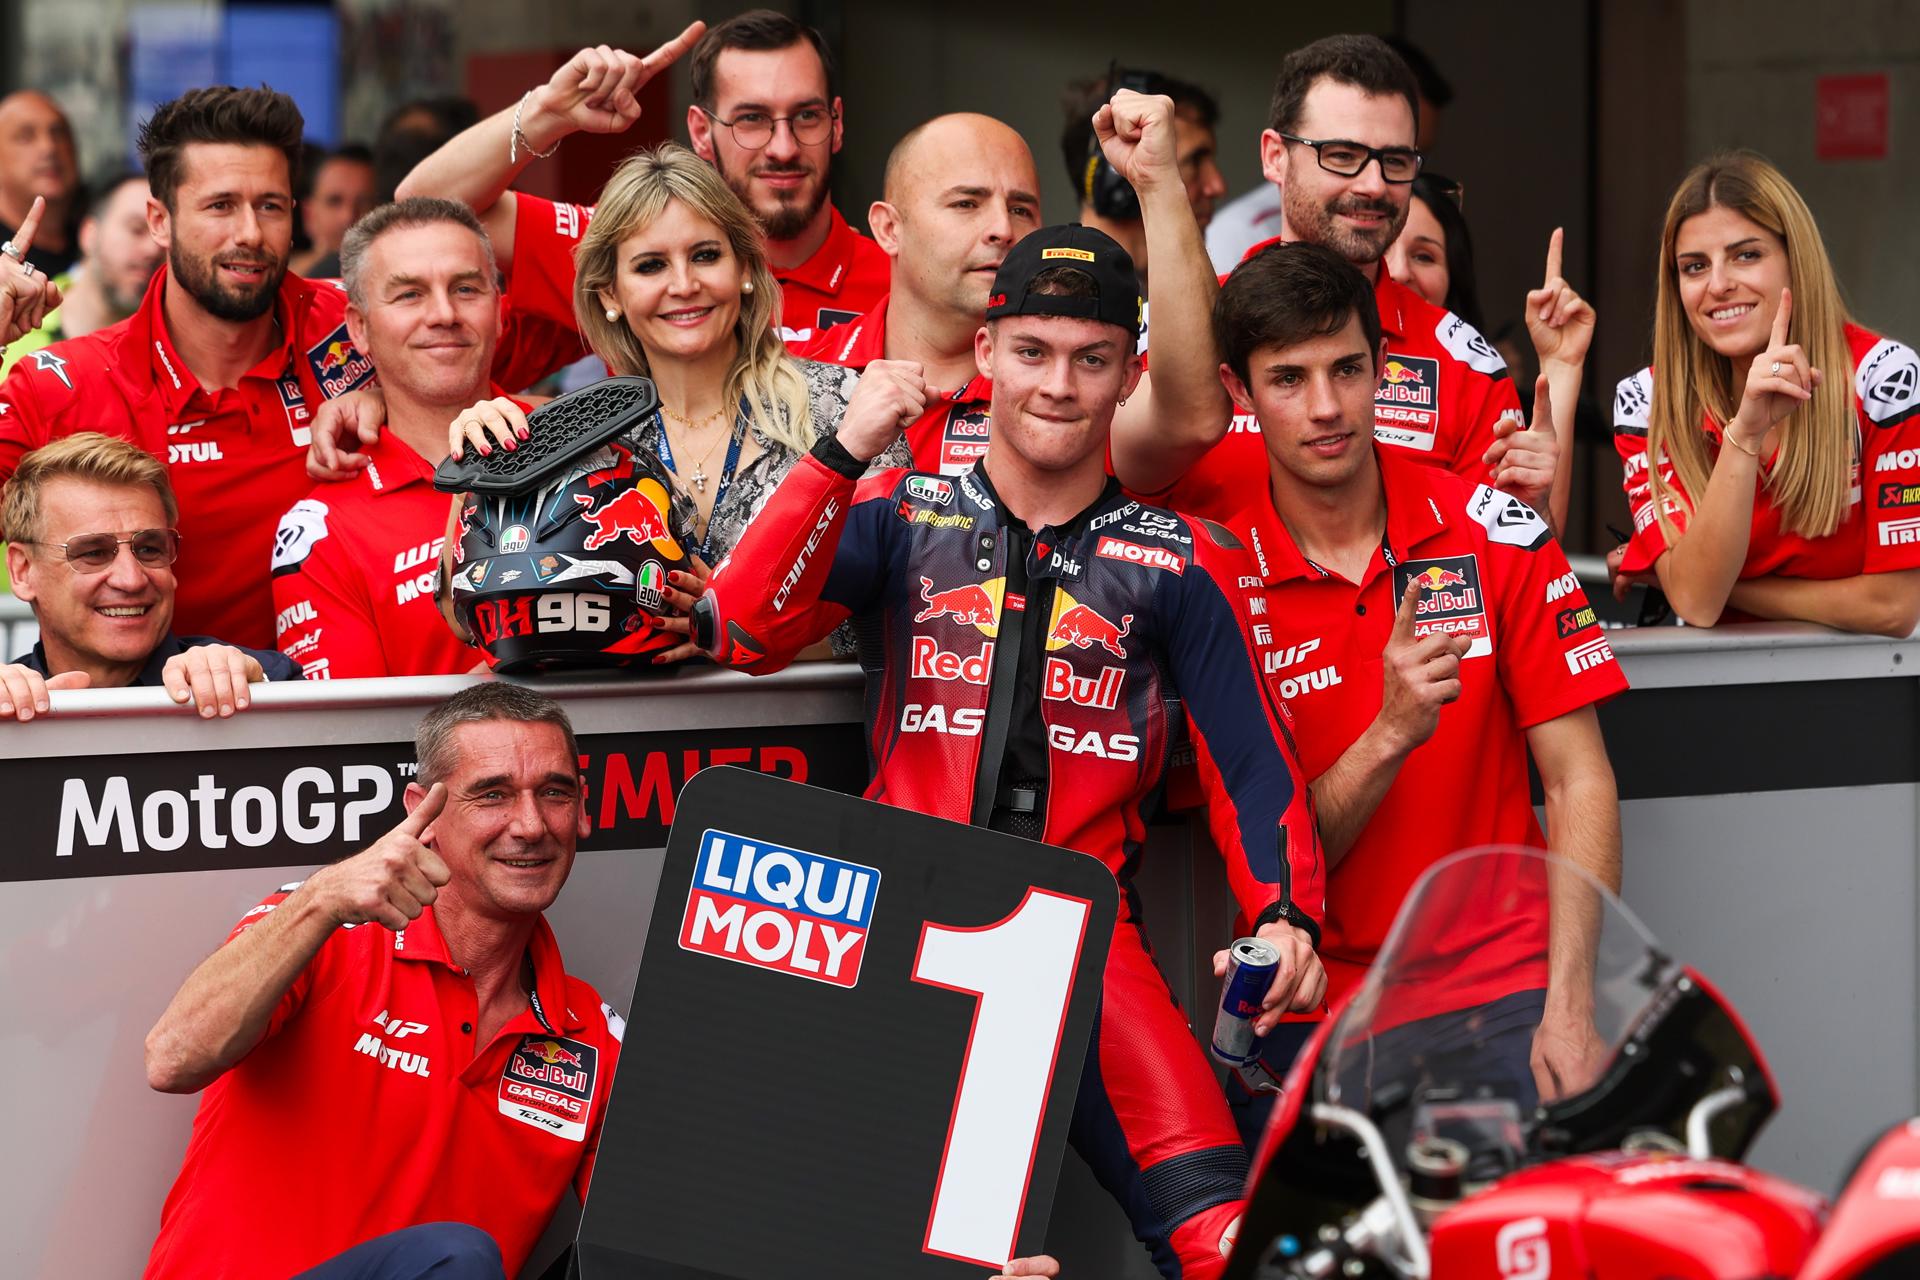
pixel 1403 617
pixel 426 811
pixel 669 53
pixel 1554 244
pixel 1782 315
pixel 23 238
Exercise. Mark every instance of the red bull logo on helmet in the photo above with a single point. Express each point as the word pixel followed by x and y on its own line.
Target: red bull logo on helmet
pixel 794 912
pixel 637 514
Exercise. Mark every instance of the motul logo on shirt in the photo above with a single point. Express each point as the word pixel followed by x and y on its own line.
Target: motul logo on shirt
pixel 414 1064
pixel 1101 692
pixel 194 451
pixel 1900 460
pixel 931 662
pixel 1134 553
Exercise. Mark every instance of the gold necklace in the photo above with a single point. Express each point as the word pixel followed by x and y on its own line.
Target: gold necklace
pixel 699 477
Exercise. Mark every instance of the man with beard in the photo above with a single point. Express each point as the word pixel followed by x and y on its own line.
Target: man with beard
pixel 118 256
pixel 353 562
pixel 767 115
pixel 220 371
pixel 1340 145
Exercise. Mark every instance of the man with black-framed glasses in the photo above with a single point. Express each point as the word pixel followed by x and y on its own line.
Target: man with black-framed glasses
pixel 767 114
pixel 1341 145
pixel 91 545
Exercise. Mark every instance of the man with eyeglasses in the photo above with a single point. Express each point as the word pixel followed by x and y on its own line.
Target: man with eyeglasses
pixel 765 114
pixel 91 543
pixel 1340 145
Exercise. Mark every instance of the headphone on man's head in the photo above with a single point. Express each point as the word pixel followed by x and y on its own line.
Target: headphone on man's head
pixel 1102 187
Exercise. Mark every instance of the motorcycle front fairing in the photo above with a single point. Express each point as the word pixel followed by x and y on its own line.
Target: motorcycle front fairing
pixel 1408 1102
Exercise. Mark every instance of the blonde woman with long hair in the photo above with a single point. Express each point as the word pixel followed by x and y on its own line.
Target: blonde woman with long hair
pixel 671 282
pixel 1770 450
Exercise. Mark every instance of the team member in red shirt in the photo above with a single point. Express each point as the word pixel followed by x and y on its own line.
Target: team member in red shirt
pixel 1340 144
pixel 1808 480
pixel 959 194
pixel 223 367
pixel 445 1021
pixel 354 562
pixel 1429 636
pixel 767 114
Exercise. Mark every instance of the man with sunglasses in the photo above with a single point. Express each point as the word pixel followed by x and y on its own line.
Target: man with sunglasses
pixel 1340 145
pixel 91 542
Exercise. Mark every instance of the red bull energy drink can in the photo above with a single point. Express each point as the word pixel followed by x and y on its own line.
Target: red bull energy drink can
pixel 1251 966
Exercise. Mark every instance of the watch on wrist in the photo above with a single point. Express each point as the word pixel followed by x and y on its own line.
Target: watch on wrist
pixel 1284 912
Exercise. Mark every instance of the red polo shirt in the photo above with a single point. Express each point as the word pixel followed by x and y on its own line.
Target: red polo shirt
pixel 1881 531
pixel 952 434
pixel 1496 576
pixel 846 275
pixel 369 1108
pixel 353 570
pixel 237 458
pixel 1442 388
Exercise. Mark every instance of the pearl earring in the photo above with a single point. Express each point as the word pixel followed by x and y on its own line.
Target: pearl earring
pixel 612 314
pixel 747 287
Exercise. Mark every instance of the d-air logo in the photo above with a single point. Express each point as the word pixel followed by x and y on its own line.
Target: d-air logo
pixel 1450 600
pixel 1521 1250
pixel 787 910
pixel 548 1084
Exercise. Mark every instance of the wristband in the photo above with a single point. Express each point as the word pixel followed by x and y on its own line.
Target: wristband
pixel 1284 912
pixel 518 139
pixel 835 457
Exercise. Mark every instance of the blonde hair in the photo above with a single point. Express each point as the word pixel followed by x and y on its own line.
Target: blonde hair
pixel 762 374
pixel 85 455
pixel 1809 484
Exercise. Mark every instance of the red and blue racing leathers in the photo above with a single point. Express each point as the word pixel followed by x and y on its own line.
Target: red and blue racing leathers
pixel 1146 615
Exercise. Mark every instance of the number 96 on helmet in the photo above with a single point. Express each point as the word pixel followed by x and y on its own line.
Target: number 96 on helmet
pixel 569 575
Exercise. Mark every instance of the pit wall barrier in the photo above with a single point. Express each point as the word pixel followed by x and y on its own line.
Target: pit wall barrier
pixel 1770 788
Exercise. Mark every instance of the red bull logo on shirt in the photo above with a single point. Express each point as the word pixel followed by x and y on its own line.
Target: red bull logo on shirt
pixel 338 366
pixel 974 603
pixel 548 1084
pixel 1408 400
pixel 794 912
pixel 1450 599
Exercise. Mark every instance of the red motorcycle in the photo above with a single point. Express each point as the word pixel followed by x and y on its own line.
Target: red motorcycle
pixel 1408 1145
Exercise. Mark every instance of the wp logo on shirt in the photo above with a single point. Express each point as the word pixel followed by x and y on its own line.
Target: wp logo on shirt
pixel 787 910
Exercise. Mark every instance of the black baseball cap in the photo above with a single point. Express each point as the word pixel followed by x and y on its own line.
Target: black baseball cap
pixel 1116 285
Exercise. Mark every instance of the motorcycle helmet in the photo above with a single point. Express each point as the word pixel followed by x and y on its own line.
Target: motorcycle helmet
pixel 563 564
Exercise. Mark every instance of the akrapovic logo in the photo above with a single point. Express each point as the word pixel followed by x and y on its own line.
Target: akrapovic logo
pixel 310 806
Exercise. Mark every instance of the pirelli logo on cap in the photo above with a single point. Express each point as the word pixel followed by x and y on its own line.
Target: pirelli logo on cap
pixel 1078 255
